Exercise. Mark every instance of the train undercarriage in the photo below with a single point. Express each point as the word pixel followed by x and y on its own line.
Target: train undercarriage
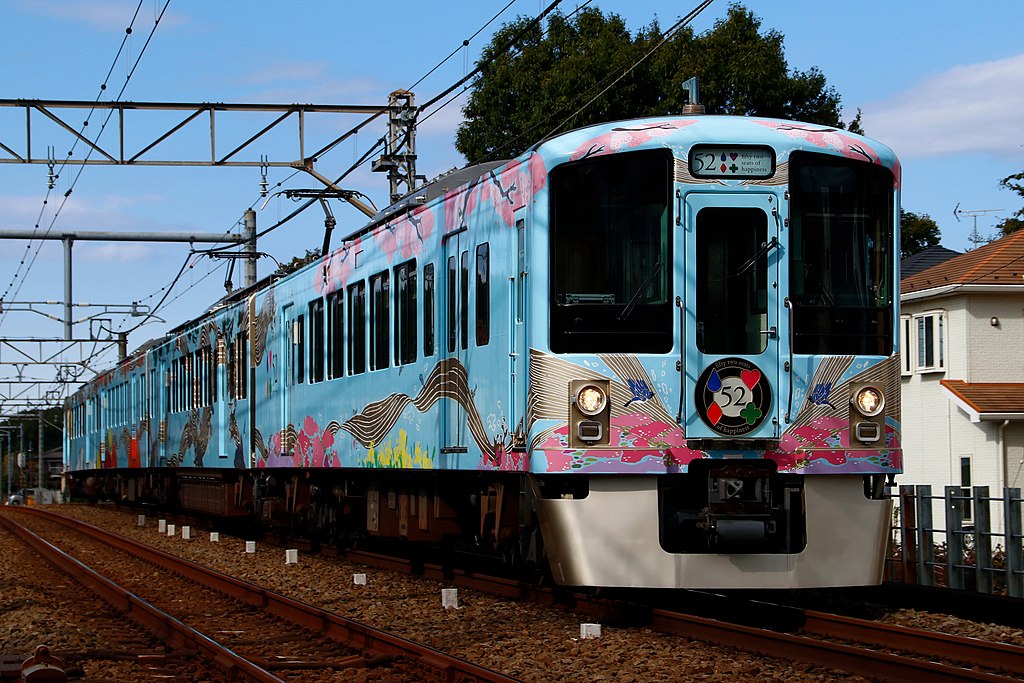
pixel 725 524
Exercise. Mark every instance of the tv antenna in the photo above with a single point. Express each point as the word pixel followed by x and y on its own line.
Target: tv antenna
pixel 973 213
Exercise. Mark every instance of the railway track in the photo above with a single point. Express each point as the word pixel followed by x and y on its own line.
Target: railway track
pixel 863 647
pixel 250 632
pixel 820 638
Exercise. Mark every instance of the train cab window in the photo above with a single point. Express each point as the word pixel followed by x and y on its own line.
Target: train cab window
pixel 841 255
pixel 357 328
pixel 611 254
pixel 405 313
pixel 732 280
pixel 335 334
pixel 428 309
pixel 483 294
pixel 380 294
pixel 316 340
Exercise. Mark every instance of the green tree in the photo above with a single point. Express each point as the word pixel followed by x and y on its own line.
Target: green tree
pixel 1015 222
pixel 588 68
pixel 917 233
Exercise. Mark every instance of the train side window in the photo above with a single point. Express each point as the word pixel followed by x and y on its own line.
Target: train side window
pixel 380 293
pixel 335 335
pixel 405 313
pixel 428 309
pixel 231 368
pixel 464 300
pixel 172 382
pixel 316 340
pixel 211 375
pixel 483 294
pixel 452 307
pixel 299 349
pixel 186 389
pixel 357 328
pixel 243 365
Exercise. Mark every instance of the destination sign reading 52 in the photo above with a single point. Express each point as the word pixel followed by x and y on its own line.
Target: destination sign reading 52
pixel 710 161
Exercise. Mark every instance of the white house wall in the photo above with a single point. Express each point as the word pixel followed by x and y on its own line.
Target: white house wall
pixel 936 432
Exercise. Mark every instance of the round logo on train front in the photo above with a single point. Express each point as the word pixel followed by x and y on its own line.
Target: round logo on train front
pixel 733 396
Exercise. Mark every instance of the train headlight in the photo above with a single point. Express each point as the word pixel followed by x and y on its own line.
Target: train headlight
pixel 869 401
pixel 591 399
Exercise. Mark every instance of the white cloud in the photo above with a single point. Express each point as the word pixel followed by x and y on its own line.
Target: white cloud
pixel 968 109
pixel 109 15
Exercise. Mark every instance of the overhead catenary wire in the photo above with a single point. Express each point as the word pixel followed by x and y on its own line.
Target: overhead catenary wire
pixel 74 145
pixel 81 169
pixel 382 141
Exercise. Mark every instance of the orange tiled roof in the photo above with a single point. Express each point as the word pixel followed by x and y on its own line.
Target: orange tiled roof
pixel 988 397
pixel 997 263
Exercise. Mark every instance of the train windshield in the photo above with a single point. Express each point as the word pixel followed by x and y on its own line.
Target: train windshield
pixel 841 256
pixel 611 267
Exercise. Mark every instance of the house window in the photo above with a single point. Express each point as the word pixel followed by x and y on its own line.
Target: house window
pixel 965 487
pixel 906 355
pixel 930 331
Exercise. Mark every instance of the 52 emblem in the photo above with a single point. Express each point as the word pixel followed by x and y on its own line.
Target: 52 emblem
pixel 733 396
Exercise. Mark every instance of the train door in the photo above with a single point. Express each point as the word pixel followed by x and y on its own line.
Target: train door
pixel 732 310
pixel 454 342
pixel 287 368
pixel 518 352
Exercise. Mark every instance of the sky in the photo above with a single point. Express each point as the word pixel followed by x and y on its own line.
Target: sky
pixel 940 82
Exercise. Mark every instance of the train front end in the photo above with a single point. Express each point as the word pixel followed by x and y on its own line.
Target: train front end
pixel 714 380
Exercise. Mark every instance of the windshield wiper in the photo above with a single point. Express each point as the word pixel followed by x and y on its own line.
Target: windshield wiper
pixel 640 290
pixel 765 248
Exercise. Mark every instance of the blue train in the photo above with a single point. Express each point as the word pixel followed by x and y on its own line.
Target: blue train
pixel 659 352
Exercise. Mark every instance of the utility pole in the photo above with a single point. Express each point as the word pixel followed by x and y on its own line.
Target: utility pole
pixel 10 465
pixel 250 247
pixel 39 478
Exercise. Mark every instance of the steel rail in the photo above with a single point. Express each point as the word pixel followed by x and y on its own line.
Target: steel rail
pixel 859 660
pixel 852 658
pixel 947 646
pixel 165 626
pixel 354 634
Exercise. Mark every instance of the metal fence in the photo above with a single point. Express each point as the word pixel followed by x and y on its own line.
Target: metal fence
pixel 969 554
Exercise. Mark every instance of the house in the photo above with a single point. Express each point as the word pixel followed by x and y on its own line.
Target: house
pixel 925 259
pixel 962 355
